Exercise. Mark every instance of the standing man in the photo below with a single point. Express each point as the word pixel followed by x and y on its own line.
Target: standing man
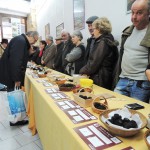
pixel 91 40
pixel 68 46
pixel 3 46
pixel 49 53
pixel 58 58
pixel 14 61
pixel 135 53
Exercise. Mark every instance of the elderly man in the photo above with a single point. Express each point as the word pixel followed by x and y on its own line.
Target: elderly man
pixel 134 54
pixel 90 41
pixel 14 61
pixel 68 46
pixel 49 53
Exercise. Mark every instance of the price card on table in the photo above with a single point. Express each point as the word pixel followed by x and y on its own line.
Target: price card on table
pixel 76 113
pixel 41 81
pixel 59 96
pixel 47 84
pixel 96 136
pixel 35 76
pixel 52 90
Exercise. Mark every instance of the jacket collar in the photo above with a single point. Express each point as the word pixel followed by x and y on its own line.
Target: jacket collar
pixel 146 40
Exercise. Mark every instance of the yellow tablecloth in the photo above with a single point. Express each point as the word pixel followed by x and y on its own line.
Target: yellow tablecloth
pixel 56 129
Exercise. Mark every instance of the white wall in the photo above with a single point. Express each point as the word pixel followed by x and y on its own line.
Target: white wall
pixel 56 12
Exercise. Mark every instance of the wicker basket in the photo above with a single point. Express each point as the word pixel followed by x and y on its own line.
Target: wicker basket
pixel 101 101
pixel 147 133
pixel 80 89
pixel 60 81
pixel 122 132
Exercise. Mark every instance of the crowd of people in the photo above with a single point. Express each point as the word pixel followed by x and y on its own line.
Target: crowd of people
pixel 125 71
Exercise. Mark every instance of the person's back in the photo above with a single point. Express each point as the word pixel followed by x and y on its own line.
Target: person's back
pixel 134 54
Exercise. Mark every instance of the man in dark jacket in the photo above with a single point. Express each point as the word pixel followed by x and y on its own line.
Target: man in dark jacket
pixel 90 41
pixel 14 61
pixel 58 58
pixel 68 46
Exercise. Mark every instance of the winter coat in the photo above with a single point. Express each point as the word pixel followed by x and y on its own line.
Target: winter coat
pixel 68 46
pixel 102 61
pixel 14 61
pixel 49 55
pixel 58 58
pixel 75 60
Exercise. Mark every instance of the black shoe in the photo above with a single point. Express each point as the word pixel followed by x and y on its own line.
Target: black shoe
pixel 23 122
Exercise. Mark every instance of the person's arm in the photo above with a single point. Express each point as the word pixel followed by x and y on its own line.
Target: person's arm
pixel 74 55
pixel 147 72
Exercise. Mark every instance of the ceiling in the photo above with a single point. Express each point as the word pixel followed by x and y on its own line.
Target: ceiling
pixel 16 7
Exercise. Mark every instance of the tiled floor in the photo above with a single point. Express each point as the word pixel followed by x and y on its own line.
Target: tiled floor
pixel 16 138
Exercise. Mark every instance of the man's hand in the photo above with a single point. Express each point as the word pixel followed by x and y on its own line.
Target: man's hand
pixel 42 62
pixel 147 72
pixel 17 85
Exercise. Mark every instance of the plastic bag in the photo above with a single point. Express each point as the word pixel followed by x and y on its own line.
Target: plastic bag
pixel 16 105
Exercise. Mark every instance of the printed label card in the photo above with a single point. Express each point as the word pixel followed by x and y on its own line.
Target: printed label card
pixel 96 136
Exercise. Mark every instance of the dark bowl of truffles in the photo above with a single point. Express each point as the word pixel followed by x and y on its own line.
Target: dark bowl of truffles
pixel 66 87
pixel 123 127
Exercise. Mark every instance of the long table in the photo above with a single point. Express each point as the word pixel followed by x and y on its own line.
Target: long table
pixel 56 130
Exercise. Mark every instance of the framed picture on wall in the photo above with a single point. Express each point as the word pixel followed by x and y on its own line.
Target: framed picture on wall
pixel 79 14
pixel 59 28
pixel 47 30
pixel 129 4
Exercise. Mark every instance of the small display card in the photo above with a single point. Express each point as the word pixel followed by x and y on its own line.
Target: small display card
pixel 96 137
pixel 76 113
pixel 58 96
pixel 47 84
pixel 41 81
pixel 35 76
pixel 52 90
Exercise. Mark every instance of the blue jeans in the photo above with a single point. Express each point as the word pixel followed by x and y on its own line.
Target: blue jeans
pixel 136 89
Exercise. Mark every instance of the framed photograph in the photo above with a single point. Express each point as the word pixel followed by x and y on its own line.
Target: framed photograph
pixel 79 14
pixel 59 28
pixel 47 30
pixel 129 4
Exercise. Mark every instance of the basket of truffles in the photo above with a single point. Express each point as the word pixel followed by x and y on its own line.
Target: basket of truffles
pixel 99 105
pixel 84 98
pixel 80 89
pixel 147 138
pixel 123 122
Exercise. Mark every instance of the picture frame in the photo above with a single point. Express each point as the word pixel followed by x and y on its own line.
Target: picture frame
pixel 128 5
pixel 59 28
pixel 79 14
pixel 47 30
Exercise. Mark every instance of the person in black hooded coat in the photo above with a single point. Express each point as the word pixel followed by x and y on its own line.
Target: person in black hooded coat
pixel 14 60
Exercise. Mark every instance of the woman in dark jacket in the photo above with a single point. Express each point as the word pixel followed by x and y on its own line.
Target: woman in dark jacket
pixel 103 59
pixel 39 53
pixel 75 59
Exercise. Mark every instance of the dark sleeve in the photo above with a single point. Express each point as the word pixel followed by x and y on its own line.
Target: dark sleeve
pixel 96 59
pixel 16 59
pixel 148 67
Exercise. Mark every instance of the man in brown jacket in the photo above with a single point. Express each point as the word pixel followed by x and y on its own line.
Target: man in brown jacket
pixel 49 53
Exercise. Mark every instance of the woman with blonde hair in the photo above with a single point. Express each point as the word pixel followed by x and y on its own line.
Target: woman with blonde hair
pixel 104 56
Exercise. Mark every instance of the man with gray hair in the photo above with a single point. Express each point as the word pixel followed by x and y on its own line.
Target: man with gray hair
pixel 14 61
pixel 135 54
pixel 49 53
pixel 68 46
